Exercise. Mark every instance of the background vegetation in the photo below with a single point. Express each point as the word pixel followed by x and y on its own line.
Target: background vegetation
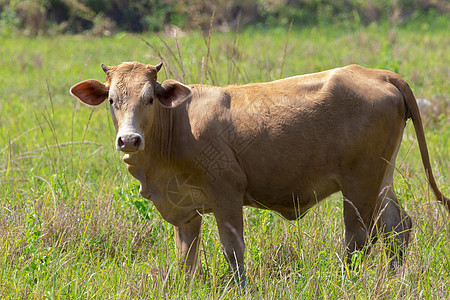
pixel 72 224
pixel 106 16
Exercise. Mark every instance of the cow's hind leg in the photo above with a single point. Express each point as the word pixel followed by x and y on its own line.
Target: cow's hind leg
pixel 357 230
pixel 393 224
pixel 360 191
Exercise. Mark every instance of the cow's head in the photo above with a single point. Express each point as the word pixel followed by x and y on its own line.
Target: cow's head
pixel 133 92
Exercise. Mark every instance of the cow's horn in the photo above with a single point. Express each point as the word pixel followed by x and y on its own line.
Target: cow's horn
pixel 105 68
pixel 158 66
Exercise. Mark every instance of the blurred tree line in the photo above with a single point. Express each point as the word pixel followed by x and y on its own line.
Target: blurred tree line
pixel 106 16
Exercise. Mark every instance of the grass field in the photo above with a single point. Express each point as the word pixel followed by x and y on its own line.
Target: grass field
pixel 72 223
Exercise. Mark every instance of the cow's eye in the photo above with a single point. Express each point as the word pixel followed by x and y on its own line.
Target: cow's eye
pixel 111 101
pixel 150 101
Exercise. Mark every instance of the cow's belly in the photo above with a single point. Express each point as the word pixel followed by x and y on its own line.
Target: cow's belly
pixel 292 201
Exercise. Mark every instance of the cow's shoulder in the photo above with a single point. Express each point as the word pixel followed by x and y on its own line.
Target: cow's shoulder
pixel 208 110
pixel 210 95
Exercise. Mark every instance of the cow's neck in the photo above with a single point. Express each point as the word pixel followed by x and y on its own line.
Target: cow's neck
pixel 160 133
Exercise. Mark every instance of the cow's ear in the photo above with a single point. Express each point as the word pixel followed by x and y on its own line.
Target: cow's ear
pixel 172 93
pixel 91 92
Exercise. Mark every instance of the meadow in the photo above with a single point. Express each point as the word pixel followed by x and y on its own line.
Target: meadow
pixel 72 223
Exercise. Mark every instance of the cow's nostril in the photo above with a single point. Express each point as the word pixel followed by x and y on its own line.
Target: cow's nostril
pixel 137 142
pixel 120 142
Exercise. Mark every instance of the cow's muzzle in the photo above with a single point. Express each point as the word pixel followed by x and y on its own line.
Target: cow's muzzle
pixel 130 143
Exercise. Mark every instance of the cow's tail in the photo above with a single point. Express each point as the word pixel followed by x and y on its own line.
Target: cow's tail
pixel 413 110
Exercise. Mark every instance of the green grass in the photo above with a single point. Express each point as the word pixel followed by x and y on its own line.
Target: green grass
pixel 72 224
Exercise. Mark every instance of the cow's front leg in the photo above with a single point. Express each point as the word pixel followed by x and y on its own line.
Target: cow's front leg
pixel 227 207
pixel 225 186
pixel 187 238
pixel 231 235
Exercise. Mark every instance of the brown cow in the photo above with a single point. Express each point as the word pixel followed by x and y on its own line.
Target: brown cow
pixel 281 145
